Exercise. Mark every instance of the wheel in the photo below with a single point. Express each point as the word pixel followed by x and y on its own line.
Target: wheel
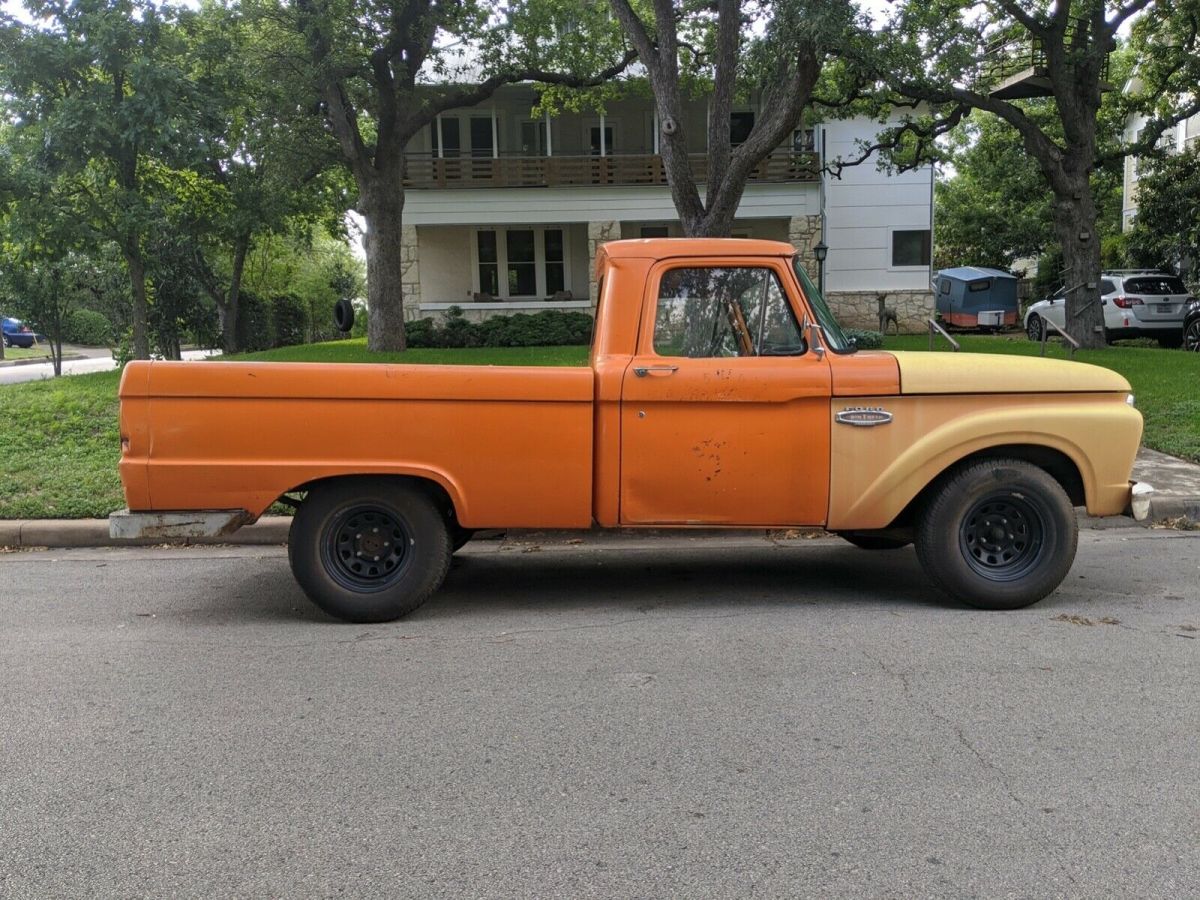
pixel 867 541
pixel 997 534
pixel 369 549
pixel 1033 327
pixel 1171 341
pixel 1191 336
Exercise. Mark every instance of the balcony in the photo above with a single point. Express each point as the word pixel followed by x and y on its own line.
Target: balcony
pixel 424 171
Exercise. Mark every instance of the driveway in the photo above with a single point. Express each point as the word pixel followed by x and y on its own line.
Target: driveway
pixel 623 718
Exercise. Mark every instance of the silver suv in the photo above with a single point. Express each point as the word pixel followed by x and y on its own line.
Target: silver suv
pixel 1137 303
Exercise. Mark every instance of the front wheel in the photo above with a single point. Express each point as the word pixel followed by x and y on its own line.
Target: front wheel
pixel 369 549
pixel 997 534
pixel 1033 328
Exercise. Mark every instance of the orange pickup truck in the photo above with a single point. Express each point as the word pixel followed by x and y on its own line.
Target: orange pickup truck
pixel 720 393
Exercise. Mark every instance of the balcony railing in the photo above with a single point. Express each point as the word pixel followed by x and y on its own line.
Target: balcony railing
pixel 423 171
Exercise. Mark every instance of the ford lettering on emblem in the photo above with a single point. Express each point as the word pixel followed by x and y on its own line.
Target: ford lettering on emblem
pixel 864 416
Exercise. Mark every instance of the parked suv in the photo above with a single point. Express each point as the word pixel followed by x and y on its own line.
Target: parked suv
pixel 1137 303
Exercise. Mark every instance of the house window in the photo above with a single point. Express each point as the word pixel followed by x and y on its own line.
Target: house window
pixel 522 263
pixel 910 248
pixel 481 136
pixel 804 140
pixel 740 126
pixel 533 138
pixel 655 231
pixel 451 139
pixel 594 133
pixel 489 263
pixel 556 263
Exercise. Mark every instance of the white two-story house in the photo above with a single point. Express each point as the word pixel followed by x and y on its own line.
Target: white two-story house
pixel 503 211
pixel 1182 136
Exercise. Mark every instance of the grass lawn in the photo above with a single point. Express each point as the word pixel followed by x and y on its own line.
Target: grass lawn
pixel 33 352
pixel 59 439
pixel 1165 382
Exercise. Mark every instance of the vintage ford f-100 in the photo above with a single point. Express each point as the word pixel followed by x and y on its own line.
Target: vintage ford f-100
pixel 720 393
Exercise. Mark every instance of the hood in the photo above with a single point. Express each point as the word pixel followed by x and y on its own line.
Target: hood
pixel 995 373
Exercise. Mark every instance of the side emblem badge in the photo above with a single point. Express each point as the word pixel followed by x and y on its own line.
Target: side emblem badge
pixel 864 416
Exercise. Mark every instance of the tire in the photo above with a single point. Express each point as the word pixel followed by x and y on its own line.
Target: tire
pixel 369 549
pixel 1033 328
pixel 343 315
pixel 966 549
pixel 864 540
pixel 1171 341
pixel 1191 336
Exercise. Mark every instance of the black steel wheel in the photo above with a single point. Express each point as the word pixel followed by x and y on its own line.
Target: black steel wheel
pixel 1191 336
pixel 996 533
pixel 1033 327
pixel 1001 536
pixel 369 549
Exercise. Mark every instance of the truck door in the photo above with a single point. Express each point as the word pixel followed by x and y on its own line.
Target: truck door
pixel 724 409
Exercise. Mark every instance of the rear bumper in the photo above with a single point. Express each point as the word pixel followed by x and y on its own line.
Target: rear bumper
pixel 196 523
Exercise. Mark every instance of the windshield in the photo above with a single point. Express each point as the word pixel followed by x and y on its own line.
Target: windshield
pixel 835 338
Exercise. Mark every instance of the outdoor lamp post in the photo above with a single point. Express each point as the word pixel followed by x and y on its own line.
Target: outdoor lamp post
pixel 820 252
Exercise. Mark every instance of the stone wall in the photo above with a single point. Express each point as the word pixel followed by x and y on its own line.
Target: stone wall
pixel 860 309
pixel 598 233
pixel 410 271
pixel 804 233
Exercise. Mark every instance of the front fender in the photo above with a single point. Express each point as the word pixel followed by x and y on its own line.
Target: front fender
pixel 876 472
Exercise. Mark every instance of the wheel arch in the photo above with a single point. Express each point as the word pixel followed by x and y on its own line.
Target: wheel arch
pixel 440 488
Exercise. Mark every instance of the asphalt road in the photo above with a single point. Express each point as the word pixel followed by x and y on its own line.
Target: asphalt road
pixel 726 719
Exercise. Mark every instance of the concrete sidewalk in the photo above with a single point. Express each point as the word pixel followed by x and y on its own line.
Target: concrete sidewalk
pixel 1176 496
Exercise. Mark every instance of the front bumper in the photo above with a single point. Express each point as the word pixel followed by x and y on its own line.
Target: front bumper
pixel 1139 501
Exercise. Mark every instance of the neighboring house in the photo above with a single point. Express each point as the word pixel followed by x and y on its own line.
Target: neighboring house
pixel 1183 136
pixel 504 212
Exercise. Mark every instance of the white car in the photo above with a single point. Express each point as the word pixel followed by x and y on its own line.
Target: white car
pixel 1137 303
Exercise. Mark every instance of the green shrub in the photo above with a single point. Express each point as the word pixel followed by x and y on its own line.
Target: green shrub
pixel 866 340
pixel 83 326
pixel 547 328
pixel 255 324
pixel 290 317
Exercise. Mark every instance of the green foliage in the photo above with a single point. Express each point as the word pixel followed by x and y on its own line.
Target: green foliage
pixel 256 324
pixel 1167 228
pixel 546 328
pixel 864 340
pixel 83 326
pixel 291 320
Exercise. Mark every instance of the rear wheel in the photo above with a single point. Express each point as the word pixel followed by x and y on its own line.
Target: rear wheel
pixel 369 549
pixel 1033 327
pixel 1191 336
pixel 997 534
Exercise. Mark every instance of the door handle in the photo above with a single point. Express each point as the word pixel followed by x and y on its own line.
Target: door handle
pixel 643 371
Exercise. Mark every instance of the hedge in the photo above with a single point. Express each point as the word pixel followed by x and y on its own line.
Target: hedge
pixel 549 327
pixel 84 326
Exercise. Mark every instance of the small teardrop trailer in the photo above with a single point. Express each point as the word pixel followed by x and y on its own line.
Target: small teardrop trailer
pixel 976 297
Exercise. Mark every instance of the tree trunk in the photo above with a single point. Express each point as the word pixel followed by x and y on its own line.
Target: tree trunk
pixel 382 204
pixel 141 308
pixel 228 310
pixel 1075 227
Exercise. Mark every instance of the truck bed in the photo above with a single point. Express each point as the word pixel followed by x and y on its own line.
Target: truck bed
pixel 511 446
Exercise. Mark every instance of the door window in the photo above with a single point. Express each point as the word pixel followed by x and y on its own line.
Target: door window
pixel 522 265
pixel 724 312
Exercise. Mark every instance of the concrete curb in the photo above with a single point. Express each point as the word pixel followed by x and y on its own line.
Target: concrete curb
pixel 37 360
pixel 20 533
pixel 273 530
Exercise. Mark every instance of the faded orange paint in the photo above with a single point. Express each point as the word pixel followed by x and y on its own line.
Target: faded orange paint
pixel 745 441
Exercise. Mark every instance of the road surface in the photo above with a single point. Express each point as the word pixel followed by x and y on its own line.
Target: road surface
pixel 613 719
